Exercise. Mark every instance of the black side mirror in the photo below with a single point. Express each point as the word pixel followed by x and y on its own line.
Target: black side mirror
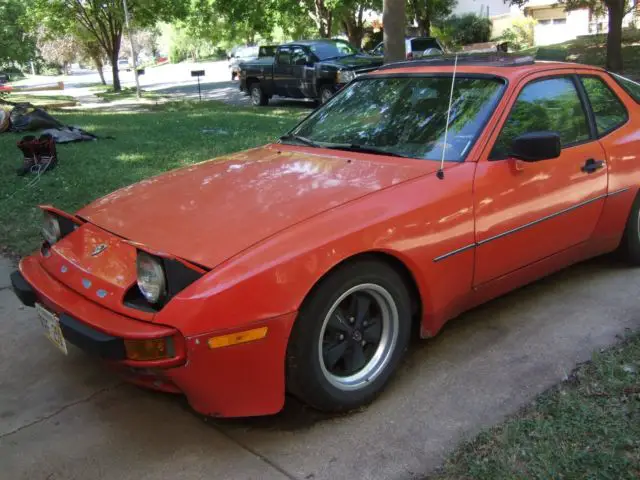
pixel 536 146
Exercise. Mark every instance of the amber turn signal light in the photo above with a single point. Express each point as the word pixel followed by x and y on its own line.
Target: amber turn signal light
pixel 149 349
pixel 236 338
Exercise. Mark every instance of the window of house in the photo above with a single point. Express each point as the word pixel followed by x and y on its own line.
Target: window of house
pixel 550 104
pixel 608 110
pixel 559 21
pixel 544 22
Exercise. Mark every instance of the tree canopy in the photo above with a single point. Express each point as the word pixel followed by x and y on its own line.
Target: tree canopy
pixel 17 43
pixel 425 12
pixel 103 20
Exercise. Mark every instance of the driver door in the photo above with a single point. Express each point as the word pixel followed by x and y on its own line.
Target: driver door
pixel 297 85
pixel 529 211
pixel 282 71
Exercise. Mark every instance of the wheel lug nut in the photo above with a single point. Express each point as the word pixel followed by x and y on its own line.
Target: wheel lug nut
pixel 364 324
pixel 341 337
pixel 363 343
pixel 352 319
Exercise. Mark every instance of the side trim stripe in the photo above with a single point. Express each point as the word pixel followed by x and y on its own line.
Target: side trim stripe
pixel 527 225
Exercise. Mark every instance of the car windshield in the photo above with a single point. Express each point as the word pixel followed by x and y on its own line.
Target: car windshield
pixel 335 49
pixel 404 116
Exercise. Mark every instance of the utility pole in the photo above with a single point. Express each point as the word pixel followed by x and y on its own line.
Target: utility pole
pixel 133 47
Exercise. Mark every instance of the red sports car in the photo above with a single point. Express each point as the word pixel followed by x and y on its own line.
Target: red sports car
pixel 419 191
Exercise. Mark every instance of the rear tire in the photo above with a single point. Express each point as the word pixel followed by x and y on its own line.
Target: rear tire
pixel 630 245
pixel 349 337
pixel 258 97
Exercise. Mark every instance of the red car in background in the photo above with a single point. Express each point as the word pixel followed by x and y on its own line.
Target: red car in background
pixel 419 191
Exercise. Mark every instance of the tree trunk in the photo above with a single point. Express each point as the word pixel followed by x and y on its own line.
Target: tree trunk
pixel 393 22
pixel 424 24
pixel 614 38
pixel 97 61
pixel 115 53
pixel 354 32
pixel 114 71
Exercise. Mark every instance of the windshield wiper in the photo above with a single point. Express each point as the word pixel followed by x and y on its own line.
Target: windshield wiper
pixel 298 138
pixel 354 147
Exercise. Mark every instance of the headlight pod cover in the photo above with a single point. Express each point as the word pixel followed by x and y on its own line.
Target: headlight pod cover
pixel 57 225
pixel 151 277
pixel 159 279
pixel 345 76
pixel 51 231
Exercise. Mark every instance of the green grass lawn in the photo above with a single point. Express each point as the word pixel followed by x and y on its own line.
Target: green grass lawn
pixel 107 94
pixel 592 50
pixel 586 428
pixel 146 143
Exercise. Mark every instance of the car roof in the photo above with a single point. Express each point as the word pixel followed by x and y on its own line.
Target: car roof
pixel 324 41
pixel 509 67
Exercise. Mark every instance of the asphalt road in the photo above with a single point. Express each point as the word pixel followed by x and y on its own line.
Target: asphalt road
pixel 171 80
pixel 68 418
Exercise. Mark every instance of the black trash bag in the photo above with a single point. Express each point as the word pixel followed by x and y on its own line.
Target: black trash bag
pixel 27 118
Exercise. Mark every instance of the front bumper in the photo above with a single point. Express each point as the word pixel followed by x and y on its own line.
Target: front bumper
pixel 90 340
pixel 240 380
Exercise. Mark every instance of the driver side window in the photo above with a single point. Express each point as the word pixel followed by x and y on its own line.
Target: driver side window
pixel 551 104
pixel 284 56
pixel 298 56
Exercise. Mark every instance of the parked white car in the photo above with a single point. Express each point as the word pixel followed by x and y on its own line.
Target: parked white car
pixel 123 64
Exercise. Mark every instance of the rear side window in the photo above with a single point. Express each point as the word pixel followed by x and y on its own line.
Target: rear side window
pixel 608 110
pixel 421 44
pixel 549 104
pixel 631 87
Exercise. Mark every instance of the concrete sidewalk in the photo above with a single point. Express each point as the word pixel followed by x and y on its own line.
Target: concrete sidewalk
pixel 67 418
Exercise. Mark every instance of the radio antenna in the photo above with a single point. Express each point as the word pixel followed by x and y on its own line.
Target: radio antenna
pixel 440 173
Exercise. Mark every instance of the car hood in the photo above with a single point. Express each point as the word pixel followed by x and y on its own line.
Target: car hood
pixel 354 62
pixel 209 212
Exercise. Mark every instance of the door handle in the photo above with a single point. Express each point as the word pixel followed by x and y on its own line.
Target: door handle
pixel 592 165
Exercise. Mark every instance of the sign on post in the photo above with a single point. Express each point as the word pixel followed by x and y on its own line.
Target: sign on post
pixel 198 73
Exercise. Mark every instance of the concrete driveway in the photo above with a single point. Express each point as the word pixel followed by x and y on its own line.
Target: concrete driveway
pixel 67 418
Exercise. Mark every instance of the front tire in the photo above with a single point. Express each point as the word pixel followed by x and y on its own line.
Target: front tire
pixel 630 244
pixel 349 337
pixel 326 93
pixel 258 97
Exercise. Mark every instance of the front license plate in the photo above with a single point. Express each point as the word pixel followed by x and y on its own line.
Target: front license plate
pixel 51 326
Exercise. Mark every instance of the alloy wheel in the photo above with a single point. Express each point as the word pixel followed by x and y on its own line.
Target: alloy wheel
pixel 358 336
